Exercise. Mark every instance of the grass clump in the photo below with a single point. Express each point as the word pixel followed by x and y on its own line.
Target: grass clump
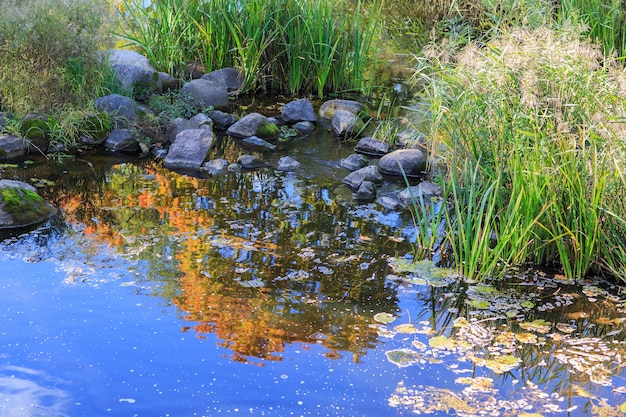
pixel 531 132
pixel 302 46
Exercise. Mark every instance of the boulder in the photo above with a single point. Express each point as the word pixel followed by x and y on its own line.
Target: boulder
pixel 204 93
pixel 354 162
pixel 201 120
pixel 216 166
pixel 230 78
pixel 190 149
pixel 134 72
pixel 389 203
pixel 328 108
pixel 346 123
pixel 176 126
pixel 366 192
pixel 256 142
pixel 411 162
pixel 21 206
pixel 122 140
pixel 222 120
pixel 253 124
pixel 369 173
pixel 298 111
pixel 304 127
pixel 12 147
pixel 427 191
pixel 371 146
pixel 250 162
pixel 123 110
pixel 287 163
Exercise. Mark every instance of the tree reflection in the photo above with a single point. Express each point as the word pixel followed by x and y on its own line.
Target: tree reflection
pixel 260 260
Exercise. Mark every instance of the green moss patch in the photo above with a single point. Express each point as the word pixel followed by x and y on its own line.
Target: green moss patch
pixel 25 206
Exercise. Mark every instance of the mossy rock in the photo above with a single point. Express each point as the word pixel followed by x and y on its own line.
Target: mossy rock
pixel 36 126
pixel 21 206
pixel 267 130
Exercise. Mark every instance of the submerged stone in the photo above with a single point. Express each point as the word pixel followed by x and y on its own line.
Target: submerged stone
pixel 21 206
pixel 287 163
pixel 251 162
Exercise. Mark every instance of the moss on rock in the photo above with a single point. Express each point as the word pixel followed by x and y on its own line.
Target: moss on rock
pixel 21 206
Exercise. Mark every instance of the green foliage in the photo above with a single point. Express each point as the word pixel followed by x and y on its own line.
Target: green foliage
pixel 48 53
pixel 531 132
pixel 301 47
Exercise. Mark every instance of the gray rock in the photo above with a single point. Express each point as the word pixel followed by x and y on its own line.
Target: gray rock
pixel 251 162
pixel 121 109
pixel 346 123
pixel 287 163
pixel 12 146
pixel 371 146
pixel 253 124
pixel 216 166
pixel 202 120
pixel 230 78
pixel 298 111
pixel 389 203
pixel 121 140
pixel 176 126
pixel 410 161
pixel 134 72
pixel 366 191
pixel 30 209
pixel 328 108
pixel 427 191
pixel 190 149
pixel 168 82
pixel 222 120
pixel 256 142
pixel 204 93
pixel 354 162
pixel 234 168
pixel 304 127
pixel 369 173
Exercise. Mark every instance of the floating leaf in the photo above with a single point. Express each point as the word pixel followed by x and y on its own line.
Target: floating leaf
pixel 566 328
pixel 403 357
pixel 481 289
pixel 526 338
pixel 384 318
pixel 253 283
pixel 502 364
pixel 441 342
pixel 477 384
pixel 527 304
pixel 480 304
pixel 622 408
pixel 539 325
pixel 405 328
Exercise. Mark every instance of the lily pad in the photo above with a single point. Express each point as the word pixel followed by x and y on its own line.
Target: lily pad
pixel 384 318
pixel 526 337
pixel 527 304
pixel 403 357
pixel 480 304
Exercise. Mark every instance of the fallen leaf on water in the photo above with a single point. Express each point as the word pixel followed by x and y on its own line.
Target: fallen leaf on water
pixel 441 342
pixel 403 357
pixel 502 364
pixel 405 328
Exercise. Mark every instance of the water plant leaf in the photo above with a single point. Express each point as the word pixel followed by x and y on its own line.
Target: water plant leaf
pixel 622 407
pixel 253 283
pixel 403 357
pixel 424 269
pixel 539 326
pixel 405 328
pixel 527 304
pixel 480 304
pixel 441 342
pixel 384 318
pixel 477 383
pixel 566 328
pixel 502 364
pixel 526 337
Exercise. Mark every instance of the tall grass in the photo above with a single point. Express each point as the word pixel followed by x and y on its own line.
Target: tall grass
pixel 606 20
pixel 296 46
pixel 48 53
pixel 533 131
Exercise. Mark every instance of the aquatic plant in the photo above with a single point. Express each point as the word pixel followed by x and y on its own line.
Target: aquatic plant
pixel 295 46
pixel 533 135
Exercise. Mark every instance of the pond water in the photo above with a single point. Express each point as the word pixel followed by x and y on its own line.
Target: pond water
pixel 156 293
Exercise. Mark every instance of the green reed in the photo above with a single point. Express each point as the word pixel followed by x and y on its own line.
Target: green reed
pixel 532 131
pixel 296 46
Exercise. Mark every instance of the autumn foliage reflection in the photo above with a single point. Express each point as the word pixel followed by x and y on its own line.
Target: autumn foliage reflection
pixel 260 261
